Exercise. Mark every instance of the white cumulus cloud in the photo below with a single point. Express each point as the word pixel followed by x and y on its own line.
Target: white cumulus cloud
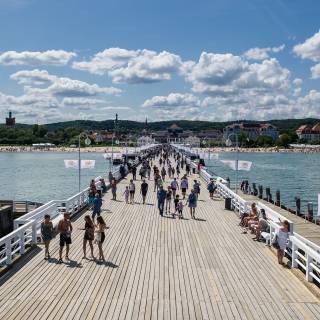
pixel 173 100
pixel 310 49
pixel 134 66
pixel 36 58
pixel 262 53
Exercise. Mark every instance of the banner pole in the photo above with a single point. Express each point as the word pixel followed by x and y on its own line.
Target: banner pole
pixel 79 164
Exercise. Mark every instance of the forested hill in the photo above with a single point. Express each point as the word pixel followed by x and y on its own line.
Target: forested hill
pixel 127 125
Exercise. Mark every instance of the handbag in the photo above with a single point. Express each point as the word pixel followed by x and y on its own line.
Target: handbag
pixel 275 243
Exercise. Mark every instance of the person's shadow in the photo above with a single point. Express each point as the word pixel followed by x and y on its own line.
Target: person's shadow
pixel 73 264
pixel 107 264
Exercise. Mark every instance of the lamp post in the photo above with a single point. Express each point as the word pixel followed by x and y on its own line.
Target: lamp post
pixel 87 141
pixel 228 144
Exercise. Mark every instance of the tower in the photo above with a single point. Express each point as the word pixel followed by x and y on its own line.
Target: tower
pixel 10 122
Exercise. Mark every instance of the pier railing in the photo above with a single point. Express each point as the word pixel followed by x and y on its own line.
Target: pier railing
pixel 27 228
pixel 303 253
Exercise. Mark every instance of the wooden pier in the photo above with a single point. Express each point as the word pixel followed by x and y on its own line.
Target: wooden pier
pixel 158 268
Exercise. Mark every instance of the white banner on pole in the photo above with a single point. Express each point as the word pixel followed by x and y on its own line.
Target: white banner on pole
pixel 88 164
pixel 71 164
pixel 229 163
pixel 85 164
pixel 242 165
pixel 116 155
pixel 209 156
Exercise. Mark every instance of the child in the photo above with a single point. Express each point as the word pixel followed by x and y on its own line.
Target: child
pixel 176 202
pixel 126 194
pixel 180 208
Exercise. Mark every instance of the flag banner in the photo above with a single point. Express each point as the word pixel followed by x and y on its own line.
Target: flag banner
pixel 242 165
pixel 88 164
pixel 71 164
pixel 74 164
pixel 229 163
pixel 115 155
pixel 209 156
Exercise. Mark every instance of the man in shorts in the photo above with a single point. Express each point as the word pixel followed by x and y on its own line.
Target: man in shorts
pixel 65 230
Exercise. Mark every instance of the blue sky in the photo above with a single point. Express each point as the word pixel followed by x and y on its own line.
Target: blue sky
pixel 209 60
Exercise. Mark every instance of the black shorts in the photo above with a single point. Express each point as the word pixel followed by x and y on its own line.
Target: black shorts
pixel 183 190
pixel 64 239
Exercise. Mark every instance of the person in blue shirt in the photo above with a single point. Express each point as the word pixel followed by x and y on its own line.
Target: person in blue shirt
pixel 192 201
pixel 162 194
pixel 97 203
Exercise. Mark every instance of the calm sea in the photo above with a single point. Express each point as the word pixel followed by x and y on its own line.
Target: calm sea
pixel 294 174
pixel 43 176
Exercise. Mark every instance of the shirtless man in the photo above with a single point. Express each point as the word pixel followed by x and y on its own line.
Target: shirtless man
pixel 65 230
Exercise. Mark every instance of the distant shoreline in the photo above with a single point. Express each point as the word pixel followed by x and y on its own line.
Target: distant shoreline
pixel 122 149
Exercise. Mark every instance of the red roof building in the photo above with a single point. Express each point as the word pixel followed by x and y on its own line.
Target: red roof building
pixel 308 132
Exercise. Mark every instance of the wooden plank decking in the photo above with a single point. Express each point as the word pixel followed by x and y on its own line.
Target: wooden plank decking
pixel 159 268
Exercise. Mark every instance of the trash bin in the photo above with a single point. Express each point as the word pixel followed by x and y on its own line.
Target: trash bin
pixel 227 203
pixel 194 170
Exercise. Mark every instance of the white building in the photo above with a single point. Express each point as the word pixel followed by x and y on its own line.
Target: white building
pixel 144 140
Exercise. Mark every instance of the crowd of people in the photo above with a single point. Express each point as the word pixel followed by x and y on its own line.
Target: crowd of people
pixel 170 183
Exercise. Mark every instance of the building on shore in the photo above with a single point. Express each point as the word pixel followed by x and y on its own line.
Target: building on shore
pixel 252 130
pixel 309 133
pixel 10 121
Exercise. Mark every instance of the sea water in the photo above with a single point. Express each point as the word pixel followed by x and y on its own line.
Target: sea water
pixel 294 174
pixel 42 176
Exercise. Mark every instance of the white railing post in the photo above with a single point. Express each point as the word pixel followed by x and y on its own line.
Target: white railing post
pixel 34 233
pixel 21 240
pixel 308 267
pixel 8 252
pixel 294 263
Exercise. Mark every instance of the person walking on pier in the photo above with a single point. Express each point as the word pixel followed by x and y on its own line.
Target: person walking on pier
pixel 211 188
pixel 161 199
pixel 192 203
pixel 132 190
pixel 184 186
pixel 144 190
pixel 114 189
pixel 100 236
pixel 97 204
pixel 196 188
pixel 134 172
pixel 88 236
pixel 168 200
pixel 280 240
pixel 126 194
pixel 47 234
pixel 65 230
pixel 163 173
pixel 174 186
